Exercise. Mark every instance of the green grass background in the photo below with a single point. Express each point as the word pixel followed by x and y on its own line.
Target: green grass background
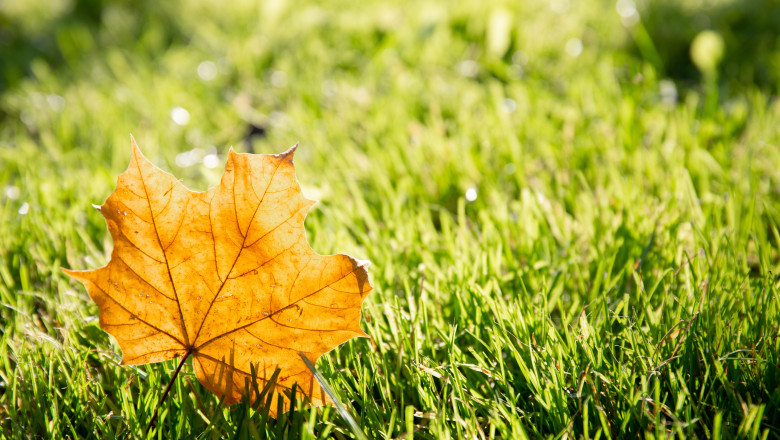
pixel 615 277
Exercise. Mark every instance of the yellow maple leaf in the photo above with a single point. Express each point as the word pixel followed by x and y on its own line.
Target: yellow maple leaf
pixel 224 275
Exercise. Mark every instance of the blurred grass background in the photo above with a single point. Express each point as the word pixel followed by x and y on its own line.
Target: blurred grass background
pixel 571 206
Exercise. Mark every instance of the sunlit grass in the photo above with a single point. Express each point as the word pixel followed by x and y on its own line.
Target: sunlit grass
pixel 612 272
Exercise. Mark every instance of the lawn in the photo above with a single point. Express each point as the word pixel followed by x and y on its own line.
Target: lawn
pixel 573 227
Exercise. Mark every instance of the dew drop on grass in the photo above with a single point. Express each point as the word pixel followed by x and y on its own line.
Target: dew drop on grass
pixel 625 8
pixel 189 158
pixel 574 47
pixel 509 105
pixel 12 192
pixel 468 68
pixel 56 102
pixel 628 12
pixel 207 70
pixel 180 115
pixel 211 161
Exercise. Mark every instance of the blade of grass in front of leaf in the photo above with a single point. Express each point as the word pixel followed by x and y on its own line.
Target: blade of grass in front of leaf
pixel 339 406
pixel 259 395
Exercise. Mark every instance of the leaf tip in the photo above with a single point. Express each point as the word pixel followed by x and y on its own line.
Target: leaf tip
pixel 75 274
pixel 83 276
pixel 290 151
pixel 136 152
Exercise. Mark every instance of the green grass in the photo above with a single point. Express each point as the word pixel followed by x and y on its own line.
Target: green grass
pixel 616 276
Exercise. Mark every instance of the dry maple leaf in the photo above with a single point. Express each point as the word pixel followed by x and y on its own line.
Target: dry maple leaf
pixel 224 275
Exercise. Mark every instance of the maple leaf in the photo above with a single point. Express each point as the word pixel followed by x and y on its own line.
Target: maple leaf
pixel 224 275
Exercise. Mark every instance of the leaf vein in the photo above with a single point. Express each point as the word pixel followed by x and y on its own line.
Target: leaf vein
pixel 137 317
pixel 271 314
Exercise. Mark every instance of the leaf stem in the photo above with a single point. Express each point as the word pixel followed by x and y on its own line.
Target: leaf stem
pixel 165 393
